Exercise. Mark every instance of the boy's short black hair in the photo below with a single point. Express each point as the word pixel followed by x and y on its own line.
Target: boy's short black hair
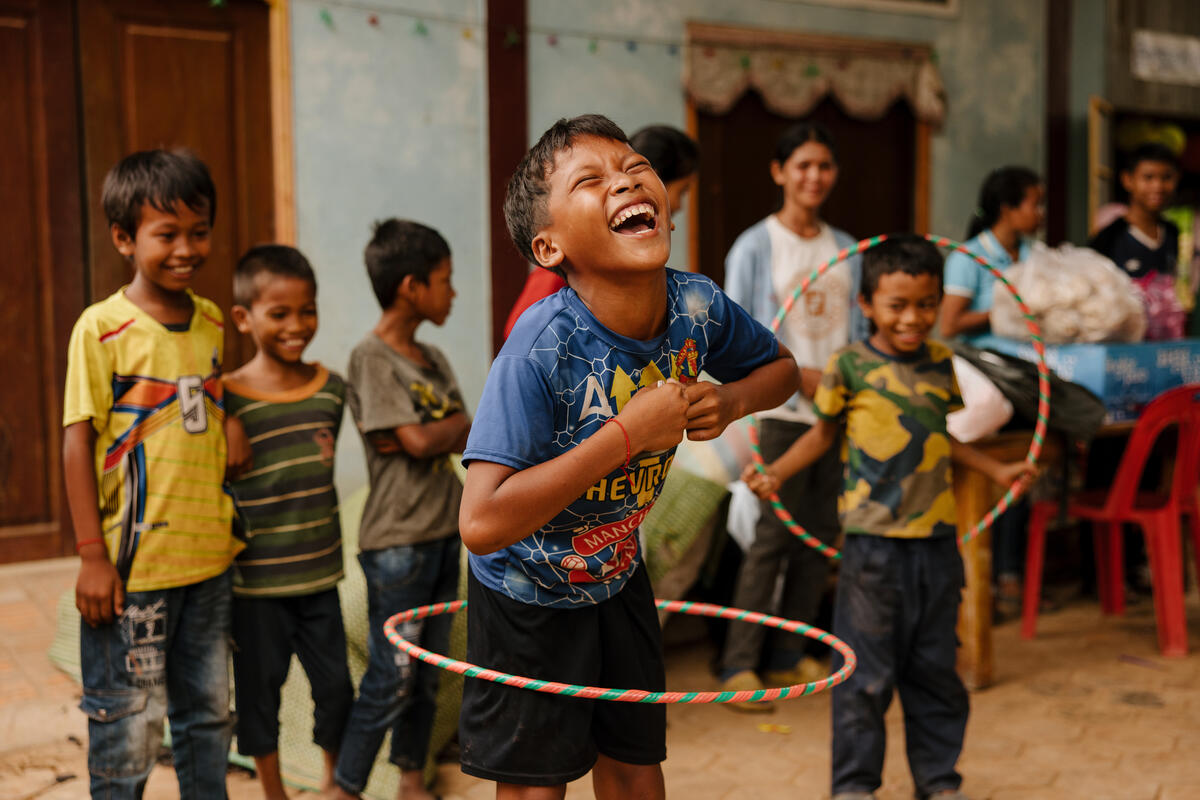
pixel 161 178
pixel 672 153
pixel 399 248
pixel 795 136
pixel 268 259
pixel 901 252
pixel 1151 151
pixel 525 201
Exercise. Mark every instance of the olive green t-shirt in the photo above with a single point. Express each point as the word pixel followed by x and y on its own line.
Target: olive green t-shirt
pixel 412 500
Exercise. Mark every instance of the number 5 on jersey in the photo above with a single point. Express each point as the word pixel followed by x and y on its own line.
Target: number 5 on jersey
pixel 190 389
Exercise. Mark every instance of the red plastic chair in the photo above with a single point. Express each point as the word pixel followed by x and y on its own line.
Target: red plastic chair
pixel 1156 514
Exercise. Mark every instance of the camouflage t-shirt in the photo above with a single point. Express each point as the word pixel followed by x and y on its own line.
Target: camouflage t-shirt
pixel 896 450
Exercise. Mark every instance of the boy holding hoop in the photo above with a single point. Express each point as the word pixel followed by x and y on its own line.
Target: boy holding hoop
pixel 901 575
pixel 554 493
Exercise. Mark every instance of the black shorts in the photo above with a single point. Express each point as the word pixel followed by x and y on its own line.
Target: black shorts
pixel 266 632
pixel 518 736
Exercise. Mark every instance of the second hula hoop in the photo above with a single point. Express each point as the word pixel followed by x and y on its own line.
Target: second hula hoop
pixel 633 695
pixel 1043 407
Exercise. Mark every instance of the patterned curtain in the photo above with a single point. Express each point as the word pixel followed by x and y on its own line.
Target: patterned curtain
pixel 794 79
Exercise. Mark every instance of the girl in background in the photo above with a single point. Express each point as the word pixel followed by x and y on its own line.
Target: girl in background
pixel 764 266
pixel 1010 212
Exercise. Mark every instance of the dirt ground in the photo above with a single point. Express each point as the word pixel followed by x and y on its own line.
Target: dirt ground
pixel 1087 710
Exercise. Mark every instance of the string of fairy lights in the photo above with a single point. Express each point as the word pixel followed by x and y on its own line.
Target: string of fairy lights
pixel 337 15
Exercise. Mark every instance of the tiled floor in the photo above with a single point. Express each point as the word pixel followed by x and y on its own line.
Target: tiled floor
pixel 1088 710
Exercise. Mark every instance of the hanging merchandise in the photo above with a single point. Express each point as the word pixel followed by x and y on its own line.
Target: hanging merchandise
pixel 1187 265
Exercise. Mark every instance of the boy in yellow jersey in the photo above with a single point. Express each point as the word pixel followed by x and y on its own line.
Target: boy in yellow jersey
pixel 144 454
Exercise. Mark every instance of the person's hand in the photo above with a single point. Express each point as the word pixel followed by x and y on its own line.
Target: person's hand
pixel 655 417
pixel 386 443
pixel 763 484
pixel 710 409
pixel 238 455
pixel 1008 474
pixel 810 379
pixel 99 594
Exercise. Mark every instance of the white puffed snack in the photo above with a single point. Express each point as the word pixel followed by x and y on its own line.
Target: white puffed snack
pixel 1076 295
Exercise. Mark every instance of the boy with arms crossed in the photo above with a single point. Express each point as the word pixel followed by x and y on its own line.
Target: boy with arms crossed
pixel 554 494
pixel 144 456
pixel 901 575
pixel 409 410
pixel 285 596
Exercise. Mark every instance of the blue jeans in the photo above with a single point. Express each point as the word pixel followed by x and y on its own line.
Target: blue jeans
pixel 168 653
pixel 398 693
pixel 897 605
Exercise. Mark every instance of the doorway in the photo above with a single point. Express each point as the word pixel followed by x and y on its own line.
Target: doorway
pixel 874 192
pixel 84 82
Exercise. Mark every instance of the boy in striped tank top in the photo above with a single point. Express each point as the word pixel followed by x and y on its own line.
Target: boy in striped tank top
pixel 285 596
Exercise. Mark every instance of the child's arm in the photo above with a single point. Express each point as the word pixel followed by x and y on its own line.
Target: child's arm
pixel 424 440
pixel 713 407
pixel 502 505
pixel 803 453
pixel 99 595
pixel 238 455
pixel 956 316
pixel 1001 473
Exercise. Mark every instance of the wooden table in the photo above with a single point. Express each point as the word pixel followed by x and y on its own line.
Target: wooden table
pixel 975 494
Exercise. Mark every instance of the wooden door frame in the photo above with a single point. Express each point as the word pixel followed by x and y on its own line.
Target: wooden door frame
pixel 1100 113
pixel 282 140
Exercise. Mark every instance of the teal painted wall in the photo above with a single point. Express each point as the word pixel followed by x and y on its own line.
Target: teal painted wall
pixel 1087 79
pixel 990 57
pixel 390 123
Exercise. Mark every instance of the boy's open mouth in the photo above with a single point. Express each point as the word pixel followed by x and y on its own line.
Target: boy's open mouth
pixel 634 219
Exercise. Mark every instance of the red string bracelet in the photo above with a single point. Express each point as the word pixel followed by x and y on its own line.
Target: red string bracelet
pixel 94 540
pixel 628 448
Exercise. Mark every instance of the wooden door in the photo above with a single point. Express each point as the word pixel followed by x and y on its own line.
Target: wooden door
pixel 1102 173
pixel 41 280
pixel 874 193
pixel 181 74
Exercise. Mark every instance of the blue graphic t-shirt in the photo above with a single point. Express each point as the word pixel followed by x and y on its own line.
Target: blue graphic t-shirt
pixel 560 376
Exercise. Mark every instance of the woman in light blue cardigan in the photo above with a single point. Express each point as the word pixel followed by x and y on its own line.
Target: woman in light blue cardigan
pixel 762 268
pixel 748 277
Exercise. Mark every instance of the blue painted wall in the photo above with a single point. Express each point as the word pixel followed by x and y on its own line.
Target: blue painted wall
pixel 388 123
pixel 1087 79
pixel 990 57
pixel 391 123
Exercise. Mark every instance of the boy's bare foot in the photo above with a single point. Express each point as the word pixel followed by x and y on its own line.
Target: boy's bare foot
pixel 268 775
pixel 329 788
pixel 412 786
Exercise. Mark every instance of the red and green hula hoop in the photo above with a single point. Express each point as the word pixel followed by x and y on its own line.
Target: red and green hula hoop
pixel 1043 408
pixel 634 695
